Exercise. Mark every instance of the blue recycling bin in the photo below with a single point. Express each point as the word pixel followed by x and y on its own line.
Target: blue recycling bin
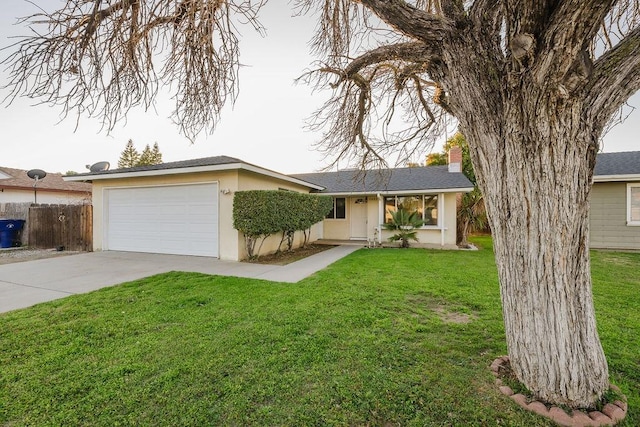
pixel 9 229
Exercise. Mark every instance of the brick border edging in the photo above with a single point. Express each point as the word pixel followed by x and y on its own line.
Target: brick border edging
pixel 611 414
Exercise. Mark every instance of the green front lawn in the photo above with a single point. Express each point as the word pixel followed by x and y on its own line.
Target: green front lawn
pixel 383 337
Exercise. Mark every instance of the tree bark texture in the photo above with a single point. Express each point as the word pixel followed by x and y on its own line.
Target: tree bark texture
pixel 534 155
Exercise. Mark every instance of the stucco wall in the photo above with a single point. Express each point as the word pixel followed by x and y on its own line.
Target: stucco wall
pixel 340 229
pixel 231 243
pixel 608 218
pixel 227 180
pixel 337 229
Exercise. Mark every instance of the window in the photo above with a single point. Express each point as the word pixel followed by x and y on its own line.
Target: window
pixel 426 206
pixel 633 204
pixel 339 210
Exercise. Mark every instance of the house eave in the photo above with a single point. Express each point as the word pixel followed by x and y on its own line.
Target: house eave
pixel 616 178
pixel 195 169
pixel 398 192
pixel 43 190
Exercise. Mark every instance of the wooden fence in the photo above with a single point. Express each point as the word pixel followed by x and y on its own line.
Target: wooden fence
pixel 61 226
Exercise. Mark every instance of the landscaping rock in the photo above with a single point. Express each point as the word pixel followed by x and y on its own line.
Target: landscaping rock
pixel 520 399
pixel 601 418
pixel 620 404
pixel 610 415
pixel 581 419
pixel 614 412
pixel 539 408
pixel 506 390
pixel 560 417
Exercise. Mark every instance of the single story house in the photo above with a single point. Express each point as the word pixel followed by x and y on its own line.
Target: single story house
pixel 615 201
pixel 364 202
pixel 185 207
pixel 17 187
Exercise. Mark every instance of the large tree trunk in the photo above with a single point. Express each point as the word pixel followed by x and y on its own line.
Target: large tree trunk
pixel 533 148
pixel 542 253
pixel 535 166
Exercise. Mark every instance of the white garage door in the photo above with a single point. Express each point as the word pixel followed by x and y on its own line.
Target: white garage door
pixel 178 219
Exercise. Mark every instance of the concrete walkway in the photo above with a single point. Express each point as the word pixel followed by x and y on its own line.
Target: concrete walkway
pixel 24 284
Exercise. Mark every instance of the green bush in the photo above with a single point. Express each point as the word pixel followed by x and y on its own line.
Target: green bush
pixel 261 213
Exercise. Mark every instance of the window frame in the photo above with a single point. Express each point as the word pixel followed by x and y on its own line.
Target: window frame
pixel 332 214
pixel 422 210
pixel 630 221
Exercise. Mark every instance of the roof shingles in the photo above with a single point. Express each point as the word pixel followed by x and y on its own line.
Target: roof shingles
pixel 193 163
pixel 388 180
pixel 623 163
pixel 18 180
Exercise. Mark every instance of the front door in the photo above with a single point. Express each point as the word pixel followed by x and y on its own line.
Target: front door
pixel 359 218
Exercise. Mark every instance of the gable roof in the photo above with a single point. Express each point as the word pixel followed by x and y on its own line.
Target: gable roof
pixel 390 181
pixel 205 164
pixel 17 179
pixel 617 166
pixel 193 163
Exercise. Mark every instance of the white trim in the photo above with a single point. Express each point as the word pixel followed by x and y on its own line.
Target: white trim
pixel 380 216
pixel 615 178
pixel 399 192
pixel 195 169
pixel 441 217
pixel 629 221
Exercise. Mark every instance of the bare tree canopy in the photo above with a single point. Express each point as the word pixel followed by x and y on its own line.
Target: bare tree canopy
pixel 101 58
pixel 532 84
pixel 383 59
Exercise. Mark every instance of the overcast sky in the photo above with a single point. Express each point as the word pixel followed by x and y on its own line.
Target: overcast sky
pixel 265 127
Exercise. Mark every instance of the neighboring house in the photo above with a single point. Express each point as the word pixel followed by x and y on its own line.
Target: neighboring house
pixel 615 201
pixel 186 207
pixel 17 187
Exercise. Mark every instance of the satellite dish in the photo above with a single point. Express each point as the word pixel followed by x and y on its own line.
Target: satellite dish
pixel 99 167
pixel 36 174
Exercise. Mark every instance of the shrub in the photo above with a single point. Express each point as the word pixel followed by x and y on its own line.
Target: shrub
pixel 261 213
pixel 405 224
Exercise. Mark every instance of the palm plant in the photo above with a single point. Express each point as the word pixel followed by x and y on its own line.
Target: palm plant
pixel 472 215
pixel 405 224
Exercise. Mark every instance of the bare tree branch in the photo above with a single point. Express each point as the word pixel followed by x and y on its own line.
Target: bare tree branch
pixel 607 90
pixel 391 80
pixel 101 58
pixel 411 51
pixel 452 9
pixel 573 25
pixel 487 14
pixel 409 20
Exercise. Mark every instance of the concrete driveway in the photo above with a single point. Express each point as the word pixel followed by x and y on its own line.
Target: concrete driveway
pixel 24 284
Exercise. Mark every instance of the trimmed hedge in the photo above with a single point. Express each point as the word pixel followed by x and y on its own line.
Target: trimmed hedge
pixel 261 213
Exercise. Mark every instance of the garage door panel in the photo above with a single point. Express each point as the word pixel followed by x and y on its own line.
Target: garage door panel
pixel 179 219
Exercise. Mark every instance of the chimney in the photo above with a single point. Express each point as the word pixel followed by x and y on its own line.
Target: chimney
pixel 455 159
